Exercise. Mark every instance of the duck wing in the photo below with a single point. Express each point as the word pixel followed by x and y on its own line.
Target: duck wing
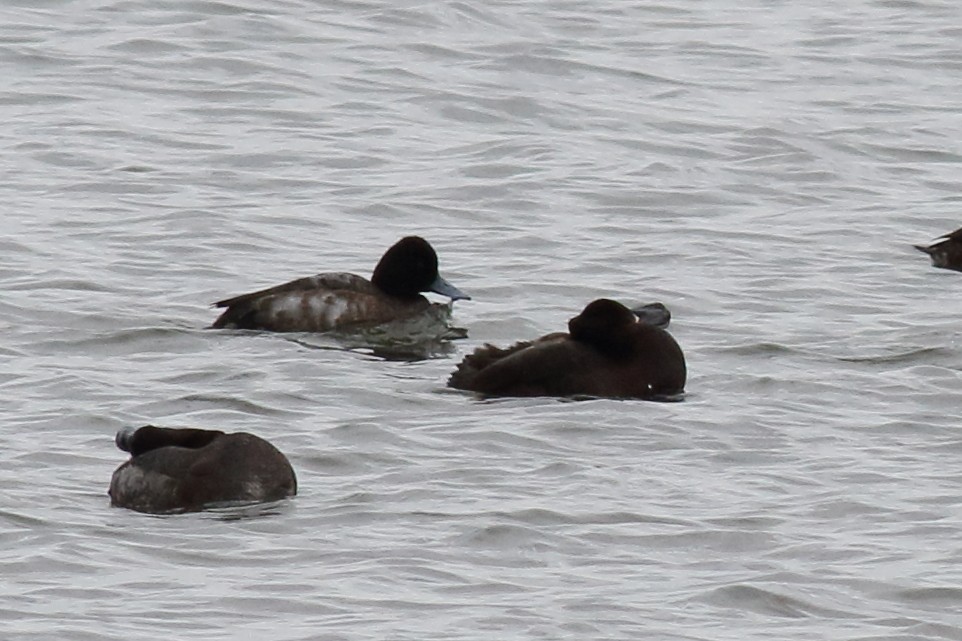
pixel 329 282
pixel 539 368
pixel 953 235
pixel 314 303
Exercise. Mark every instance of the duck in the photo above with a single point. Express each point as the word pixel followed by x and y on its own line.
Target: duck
pixel 190 469
pixel 332 301
pixel 609 351
pixel 947 253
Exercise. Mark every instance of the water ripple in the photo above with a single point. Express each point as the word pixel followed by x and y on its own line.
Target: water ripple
pixel 761 170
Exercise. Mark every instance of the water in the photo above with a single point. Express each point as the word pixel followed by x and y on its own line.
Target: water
pixel 762 169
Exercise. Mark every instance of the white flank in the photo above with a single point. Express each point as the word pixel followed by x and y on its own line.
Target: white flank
pixel 330 309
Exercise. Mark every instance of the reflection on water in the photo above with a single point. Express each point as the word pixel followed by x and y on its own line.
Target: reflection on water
pixel 422 337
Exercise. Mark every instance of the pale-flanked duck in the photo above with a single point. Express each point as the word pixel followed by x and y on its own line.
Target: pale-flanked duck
pixel 337 300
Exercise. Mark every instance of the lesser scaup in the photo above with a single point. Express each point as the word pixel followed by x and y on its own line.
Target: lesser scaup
pixel 947 253
pixel 187 469
pixel 608 352
pixel 330 301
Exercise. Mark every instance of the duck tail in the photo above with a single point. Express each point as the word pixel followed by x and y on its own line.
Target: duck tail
pixel 235 317
pixel 467 371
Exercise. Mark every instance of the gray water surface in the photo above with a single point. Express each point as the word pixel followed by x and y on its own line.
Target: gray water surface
pixel 762 168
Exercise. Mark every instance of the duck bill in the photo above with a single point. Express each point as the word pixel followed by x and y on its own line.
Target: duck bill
pixel 125 437
pixel 443 287
pixel 654 314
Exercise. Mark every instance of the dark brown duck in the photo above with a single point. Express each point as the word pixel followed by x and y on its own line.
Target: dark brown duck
pixel 187 469
pixel 607 352
pixel 946 253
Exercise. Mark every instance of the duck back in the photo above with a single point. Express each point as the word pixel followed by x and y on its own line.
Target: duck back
pixel 316 304
pixel 228 468
pixel 556 365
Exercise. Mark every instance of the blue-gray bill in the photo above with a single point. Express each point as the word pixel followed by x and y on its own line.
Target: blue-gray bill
pixel 654 314
pixel 443 287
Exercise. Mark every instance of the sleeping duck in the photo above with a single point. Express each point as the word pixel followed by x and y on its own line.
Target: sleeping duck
pixel 609 351
pixel 187 469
